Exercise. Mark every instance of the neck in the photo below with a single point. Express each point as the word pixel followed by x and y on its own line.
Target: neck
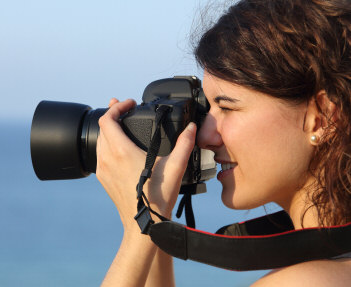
pixel 300 209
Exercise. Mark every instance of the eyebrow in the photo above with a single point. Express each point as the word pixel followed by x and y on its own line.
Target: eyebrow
pixel 224 98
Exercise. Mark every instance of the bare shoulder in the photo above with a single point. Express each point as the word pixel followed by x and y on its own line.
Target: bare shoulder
pixel 315 273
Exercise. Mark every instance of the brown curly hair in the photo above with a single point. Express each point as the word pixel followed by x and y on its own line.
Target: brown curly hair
pixel 292 49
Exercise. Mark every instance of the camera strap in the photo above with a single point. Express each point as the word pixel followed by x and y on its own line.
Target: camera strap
pixel 263 243
pixel 143 216
pixel 253 245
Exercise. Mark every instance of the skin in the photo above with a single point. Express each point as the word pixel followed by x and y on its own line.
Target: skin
pixel 268 141
pixel 263 136
pixel 119 164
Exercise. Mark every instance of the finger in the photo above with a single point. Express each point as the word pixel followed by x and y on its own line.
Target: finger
pixel 109 120
pixel 120 108
pixel 112 102
pixel 101 143
pixel 179 157
pixel 110 127
pixel 100 146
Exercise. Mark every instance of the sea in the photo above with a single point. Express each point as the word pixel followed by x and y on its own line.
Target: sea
pixel 66 233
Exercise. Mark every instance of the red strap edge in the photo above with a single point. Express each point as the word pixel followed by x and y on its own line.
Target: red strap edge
pixel 269 235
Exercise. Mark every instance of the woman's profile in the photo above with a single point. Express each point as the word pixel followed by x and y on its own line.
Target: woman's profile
pixel 277 75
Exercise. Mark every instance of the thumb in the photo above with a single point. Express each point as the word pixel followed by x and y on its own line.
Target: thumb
pixel 183 148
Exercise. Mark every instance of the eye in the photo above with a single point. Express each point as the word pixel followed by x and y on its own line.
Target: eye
pixel 226 109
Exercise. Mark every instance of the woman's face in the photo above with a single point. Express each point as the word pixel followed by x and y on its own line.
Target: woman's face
pixel 260 142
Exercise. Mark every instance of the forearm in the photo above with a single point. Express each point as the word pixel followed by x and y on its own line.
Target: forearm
pixel 132 263
pixel 161 272
pixel 119 163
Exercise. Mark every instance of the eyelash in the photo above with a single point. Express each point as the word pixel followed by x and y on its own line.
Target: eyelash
pixel 227 110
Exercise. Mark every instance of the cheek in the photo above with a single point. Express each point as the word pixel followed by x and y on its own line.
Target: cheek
pixel 271 152
pixel 254 139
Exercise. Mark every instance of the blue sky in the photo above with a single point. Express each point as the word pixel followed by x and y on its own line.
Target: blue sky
pixel 86 52
pixel 89 51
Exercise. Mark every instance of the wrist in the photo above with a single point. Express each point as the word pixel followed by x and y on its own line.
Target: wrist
pixel 133 260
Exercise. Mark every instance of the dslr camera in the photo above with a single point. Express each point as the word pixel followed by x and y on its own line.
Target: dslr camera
pixel 64 135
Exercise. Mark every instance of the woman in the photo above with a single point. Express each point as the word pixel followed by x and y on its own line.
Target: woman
pixel 278 79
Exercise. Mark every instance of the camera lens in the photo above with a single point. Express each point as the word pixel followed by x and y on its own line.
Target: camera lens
pixel 63 140
pixel 88 139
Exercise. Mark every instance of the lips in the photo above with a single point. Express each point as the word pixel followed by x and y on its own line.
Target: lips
pixel 227 168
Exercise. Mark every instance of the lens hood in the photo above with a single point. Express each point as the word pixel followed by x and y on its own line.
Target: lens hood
pixel 55 140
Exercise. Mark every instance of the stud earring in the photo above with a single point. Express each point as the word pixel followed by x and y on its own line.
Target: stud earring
pixel 314 138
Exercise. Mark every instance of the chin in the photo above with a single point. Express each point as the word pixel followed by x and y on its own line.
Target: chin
pixel 229 200
pixel 233 200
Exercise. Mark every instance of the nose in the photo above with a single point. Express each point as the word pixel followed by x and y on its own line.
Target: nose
pixel 208 136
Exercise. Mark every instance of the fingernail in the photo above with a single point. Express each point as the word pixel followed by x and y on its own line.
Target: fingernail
pixel 191 126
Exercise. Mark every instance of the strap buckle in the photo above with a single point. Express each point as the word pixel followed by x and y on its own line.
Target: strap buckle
pixel 144 220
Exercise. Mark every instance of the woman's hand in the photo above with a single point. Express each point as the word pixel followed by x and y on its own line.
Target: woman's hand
pixel 120 162
pixel 119 165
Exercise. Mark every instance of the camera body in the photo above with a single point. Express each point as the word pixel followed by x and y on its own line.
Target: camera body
pixel 64 135
pixel 186 101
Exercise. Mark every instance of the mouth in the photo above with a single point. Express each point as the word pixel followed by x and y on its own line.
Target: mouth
pixel 226 166
pixel 226 169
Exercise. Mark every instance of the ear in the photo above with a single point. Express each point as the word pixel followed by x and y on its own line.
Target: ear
pixel 321 117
